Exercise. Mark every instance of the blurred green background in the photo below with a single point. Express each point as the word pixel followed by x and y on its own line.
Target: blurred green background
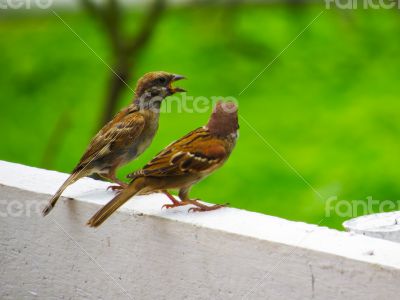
pixel 329 105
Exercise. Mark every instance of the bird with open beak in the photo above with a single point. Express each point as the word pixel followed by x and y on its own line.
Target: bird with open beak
pixel 127 135
pixel 183 163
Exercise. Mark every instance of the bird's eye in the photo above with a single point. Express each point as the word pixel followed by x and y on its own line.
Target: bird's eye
pixel 162 80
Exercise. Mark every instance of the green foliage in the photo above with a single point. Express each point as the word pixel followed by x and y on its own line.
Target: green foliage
pixel 328 105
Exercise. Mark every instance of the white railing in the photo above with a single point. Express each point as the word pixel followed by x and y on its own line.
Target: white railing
pixel 143 252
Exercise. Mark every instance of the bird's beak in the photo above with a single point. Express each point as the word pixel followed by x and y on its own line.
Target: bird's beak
pixel 178 77
pixel 176 89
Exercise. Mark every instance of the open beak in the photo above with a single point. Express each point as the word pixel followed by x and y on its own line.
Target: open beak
pixel 176 89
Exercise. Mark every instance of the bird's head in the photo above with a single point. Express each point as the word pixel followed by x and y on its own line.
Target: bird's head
pixel 155 86
pixel 224 119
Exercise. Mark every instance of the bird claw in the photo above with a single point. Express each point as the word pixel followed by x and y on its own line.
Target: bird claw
pixel 175 204
pixel 207 208
pixel 168 206
pixel 115 188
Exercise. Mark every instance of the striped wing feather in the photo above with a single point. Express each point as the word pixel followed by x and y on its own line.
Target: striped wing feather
pixel 118 133
pixel 198 151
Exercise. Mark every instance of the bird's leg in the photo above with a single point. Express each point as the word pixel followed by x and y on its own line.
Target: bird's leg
pixel 113 178
pixel 172 198
pixel 175 203
pixel 184 195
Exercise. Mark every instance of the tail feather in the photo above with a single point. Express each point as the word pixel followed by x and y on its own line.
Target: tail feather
pixel 52 202
pixel 108 209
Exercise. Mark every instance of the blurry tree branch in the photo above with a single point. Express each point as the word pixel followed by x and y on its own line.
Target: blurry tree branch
pixel 148 26
pixel 125 49
pixel 109 16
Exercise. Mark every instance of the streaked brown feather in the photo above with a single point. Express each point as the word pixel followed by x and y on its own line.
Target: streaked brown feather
pixel 180 158
pixel 125 127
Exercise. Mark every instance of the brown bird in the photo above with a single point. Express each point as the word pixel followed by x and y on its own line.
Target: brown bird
pixel 183 163
pixel 126 136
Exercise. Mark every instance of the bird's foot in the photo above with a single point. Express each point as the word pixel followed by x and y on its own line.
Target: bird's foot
pixel 175 204
pixel 115 188
pixel 201 207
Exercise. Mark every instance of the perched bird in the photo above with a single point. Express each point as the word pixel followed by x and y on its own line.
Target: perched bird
pixel 127 135
pixel 183 163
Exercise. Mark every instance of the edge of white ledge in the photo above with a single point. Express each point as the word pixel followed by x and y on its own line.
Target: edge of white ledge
pixel 231 220
pixel 382 222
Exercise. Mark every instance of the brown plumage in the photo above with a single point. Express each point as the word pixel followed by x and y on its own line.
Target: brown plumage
pixel 126 136
pixel 183 163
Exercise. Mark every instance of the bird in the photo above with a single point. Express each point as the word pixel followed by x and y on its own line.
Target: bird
pixel 182 164
pixel 126 136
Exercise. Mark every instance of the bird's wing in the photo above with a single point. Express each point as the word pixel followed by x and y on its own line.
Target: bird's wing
pixel 196 152
pixel 115 135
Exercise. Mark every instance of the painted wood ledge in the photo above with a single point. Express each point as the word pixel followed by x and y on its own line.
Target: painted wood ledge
pixel 143 252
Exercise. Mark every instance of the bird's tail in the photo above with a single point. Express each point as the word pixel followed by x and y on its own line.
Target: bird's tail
pixel 52 202
pixel 102 215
